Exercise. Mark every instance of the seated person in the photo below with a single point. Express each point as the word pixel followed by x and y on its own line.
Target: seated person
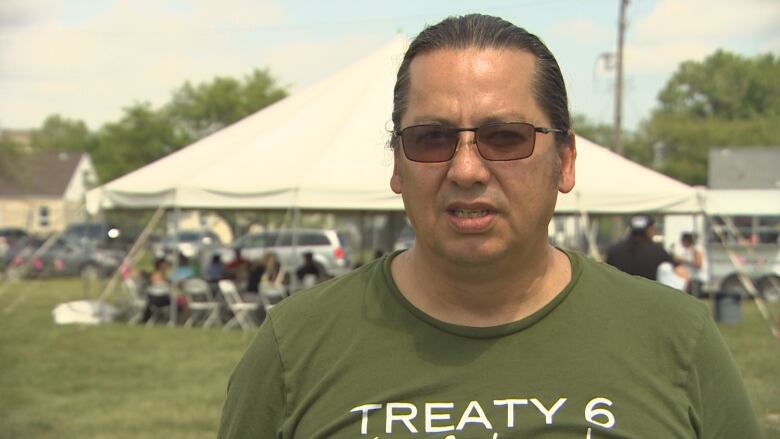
pixel 215 271
pixel 273 276
pixel 158 291
pixel 238 270
pixel 310 269
pixel 184 269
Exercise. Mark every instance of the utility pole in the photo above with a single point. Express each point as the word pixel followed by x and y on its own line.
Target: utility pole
pixel 619 79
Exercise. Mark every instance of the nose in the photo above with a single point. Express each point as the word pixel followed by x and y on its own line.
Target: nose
pixel 467 166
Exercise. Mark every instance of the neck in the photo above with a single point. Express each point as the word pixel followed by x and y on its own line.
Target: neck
pixel 497 293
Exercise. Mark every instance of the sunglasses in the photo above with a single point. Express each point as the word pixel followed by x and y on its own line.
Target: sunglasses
pixel 495 141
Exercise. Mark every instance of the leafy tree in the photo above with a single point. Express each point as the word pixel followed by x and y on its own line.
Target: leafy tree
pixel 725 100
pixel 9 151
pixel 145 134
pixel 61 134
pixel 597 132
pixel 141 136
pixel 199 110
pixel 725 86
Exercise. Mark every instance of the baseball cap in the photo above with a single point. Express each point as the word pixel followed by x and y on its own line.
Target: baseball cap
pixel 640 223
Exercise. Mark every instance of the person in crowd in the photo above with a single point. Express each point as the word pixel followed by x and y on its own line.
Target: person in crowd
pixel 483 329
pixel 238 270
pixel 275 277
pixel 158 292
pixel 694 258
pixel 311 269
pixel 638 254
pixel 215 270
pixel 184 269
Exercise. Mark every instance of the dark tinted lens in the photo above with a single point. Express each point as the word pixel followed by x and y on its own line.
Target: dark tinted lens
pixel 506 141
pixel 429 143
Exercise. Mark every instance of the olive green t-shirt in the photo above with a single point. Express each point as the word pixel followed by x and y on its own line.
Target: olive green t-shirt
pixel 611 356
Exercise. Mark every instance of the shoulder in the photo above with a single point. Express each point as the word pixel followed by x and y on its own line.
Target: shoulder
pixel 637 297
pixel 335 296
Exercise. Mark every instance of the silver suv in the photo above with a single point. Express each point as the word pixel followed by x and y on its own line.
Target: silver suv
pixel 329 248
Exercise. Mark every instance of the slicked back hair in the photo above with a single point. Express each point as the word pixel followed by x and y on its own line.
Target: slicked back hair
pixel 488 32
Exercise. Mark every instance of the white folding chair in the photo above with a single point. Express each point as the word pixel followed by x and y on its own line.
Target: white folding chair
pixel 242 311
pixel 201 302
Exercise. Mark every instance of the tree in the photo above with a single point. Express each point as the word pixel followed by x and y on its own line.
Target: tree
pixel 141 136
pixel 724 86
pixel 60 134
pixel 725 100
pixel 145 134
pixel 10 150
pixel 199 110
pixel 597 132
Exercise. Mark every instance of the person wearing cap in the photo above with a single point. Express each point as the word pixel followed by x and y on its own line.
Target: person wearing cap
pixel 483 329
pixel 638 254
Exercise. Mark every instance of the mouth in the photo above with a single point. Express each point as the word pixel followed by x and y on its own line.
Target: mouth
pixel 469 213
pixel 471 218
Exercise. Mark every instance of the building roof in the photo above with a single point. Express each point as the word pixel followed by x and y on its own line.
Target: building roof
pixel 39 174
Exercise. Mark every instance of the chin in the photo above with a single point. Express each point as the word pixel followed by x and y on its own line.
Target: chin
pixel 481 254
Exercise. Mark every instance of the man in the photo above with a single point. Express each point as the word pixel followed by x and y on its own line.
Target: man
pixel 482 329
pixel 310 269
pixel 638 254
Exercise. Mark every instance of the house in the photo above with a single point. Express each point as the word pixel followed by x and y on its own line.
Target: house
pixel 43 192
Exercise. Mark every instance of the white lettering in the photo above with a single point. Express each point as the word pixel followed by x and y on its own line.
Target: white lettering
pixel 406 419
pixel 365 409
pixel 430 416
pixel 548 414
pixel 591 412
pixel 510 412
pixel 480 418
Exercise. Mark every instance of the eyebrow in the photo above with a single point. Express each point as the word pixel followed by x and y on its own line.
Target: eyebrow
pixel 438 120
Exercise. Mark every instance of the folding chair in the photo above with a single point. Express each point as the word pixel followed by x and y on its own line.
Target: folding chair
pixel 242 311
pixel 201 302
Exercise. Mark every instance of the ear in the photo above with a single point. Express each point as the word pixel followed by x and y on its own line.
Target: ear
pixel 395 180
pixel 568 155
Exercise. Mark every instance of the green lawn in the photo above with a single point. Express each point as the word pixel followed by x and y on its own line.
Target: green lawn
pixel 117 381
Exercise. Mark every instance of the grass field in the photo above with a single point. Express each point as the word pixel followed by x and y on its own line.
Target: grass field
pixel 117 381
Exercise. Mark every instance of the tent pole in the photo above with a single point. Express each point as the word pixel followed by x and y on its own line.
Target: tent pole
pixel 132 255
pixel 175 265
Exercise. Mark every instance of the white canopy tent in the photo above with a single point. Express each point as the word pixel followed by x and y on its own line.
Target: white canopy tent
pixel 324 148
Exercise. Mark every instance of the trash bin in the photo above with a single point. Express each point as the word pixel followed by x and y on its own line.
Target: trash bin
pixel 727 308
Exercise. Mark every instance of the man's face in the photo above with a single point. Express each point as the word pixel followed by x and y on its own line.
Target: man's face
pixel 471 210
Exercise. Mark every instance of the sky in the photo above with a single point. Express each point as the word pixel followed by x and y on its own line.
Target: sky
pixel 88 59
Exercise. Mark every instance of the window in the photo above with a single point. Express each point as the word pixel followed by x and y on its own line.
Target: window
pixel 313 239
pixel 43 216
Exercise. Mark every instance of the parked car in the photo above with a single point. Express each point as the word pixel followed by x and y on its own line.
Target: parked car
pixel 331 249
pixel 64 258
pixel 99 235
pixel 9 236
pixel 190 243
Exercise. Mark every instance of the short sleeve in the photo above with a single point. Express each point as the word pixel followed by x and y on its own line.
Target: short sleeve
pixel 255 405
pixel 720 406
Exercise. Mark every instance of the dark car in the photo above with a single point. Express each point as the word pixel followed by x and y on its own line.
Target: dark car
pixel 97 235
pixel 9 236
pixel 63 257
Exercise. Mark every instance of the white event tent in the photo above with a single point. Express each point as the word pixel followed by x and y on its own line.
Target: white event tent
pixel 324 148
